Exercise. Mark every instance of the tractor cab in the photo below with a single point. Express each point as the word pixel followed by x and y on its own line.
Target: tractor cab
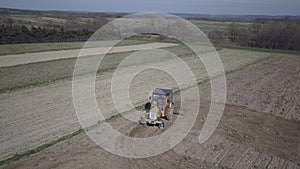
pixel 164 100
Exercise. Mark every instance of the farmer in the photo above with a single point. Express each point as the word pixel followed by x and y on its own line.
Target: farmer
pixel 148 107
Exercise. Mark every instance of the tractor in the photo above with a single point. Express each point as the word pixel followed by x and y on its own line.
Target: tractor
pixel 161 107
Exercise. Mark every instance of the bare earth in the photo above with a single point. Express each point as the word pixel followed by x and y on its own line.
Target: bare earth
pixel 273 87
pixel 260 127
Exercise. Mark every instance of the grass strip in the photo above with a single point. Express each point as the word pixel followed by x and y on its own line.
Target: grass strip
pixel 275 51
pixel 40 148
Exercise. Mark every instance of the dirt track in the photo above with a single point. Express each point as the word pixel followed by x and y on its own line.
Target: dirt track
pixel 32 117
pixel 20 59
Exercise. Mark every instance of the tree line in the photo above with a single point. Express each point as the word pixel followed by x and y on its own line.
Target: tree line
pixel 283 35
pixel 48 26
pixel 10 34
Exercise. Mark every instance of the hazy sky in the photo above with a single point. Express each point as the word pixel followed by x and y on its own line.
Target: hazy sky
pixel 252 7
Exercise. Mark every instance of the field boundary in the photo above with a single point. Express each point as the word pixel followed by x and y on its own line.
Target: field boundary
pixel 274 51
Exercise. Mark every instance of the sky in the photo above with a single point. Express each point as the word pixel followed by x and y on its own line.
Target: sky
pixel 234 7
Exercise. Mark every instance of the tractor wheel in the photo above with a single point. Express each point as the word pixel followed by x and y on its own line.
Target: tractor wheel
pixel 163 125
pixel 143 122
pixel 169 117
pixel 169 114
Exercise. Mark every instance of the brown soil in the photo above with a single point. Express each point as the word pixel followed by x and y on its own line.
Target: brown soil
pixel 259 129
pixel 271 87
pixel 244 139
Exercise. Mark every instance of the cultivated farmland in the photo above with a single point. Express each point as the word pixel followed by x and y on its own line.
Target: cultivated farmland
pixel 259 128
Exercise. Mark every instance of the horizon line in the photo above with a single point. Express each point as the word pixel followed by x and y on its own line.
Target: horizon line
pixel 123 12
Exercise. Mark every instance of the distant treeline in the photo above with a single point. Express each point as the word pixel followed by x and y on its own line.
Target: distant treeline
pixel 10 34
pixel 283 35
pixel 26 26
